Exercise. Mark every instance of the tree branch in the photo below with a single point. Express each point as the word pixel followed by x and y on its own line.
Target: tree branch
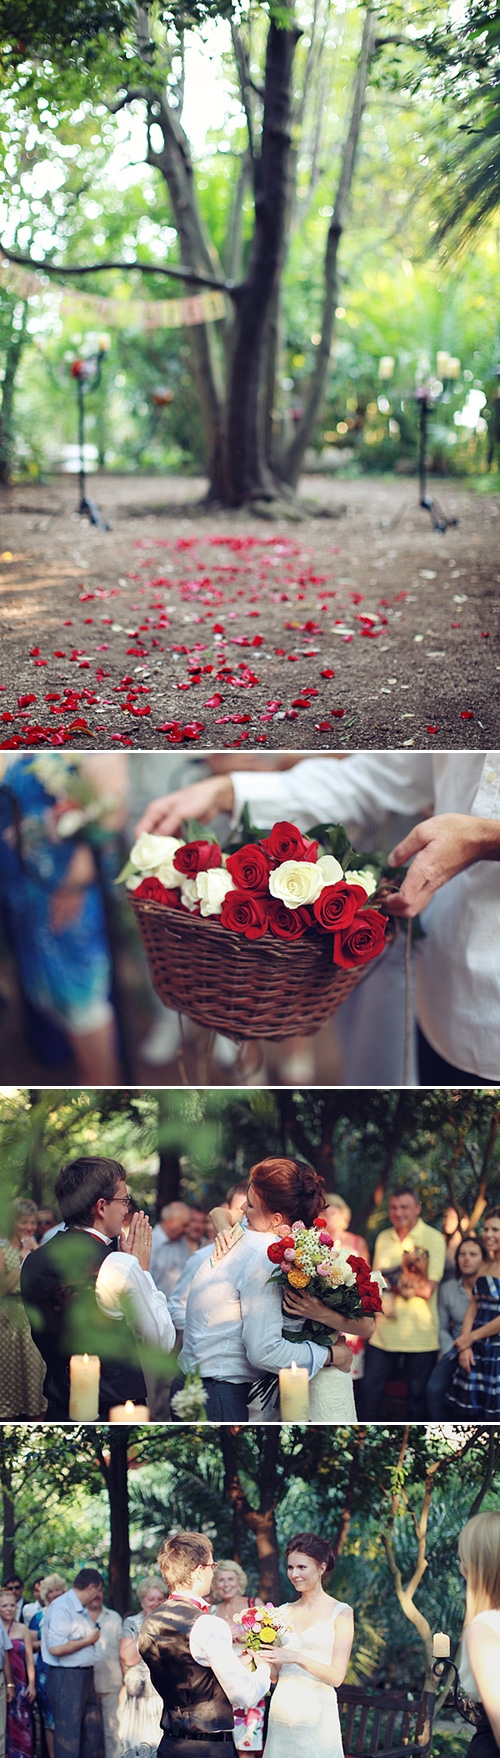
pixel 177 273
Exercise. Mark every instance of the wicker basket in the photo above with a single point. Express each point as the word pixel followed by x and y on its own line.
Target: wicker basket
pixel 266 988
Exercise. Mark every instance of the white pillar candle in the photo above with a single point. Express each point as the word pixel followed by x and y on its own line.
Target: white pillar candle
pixel 129 1412
pixel 386 366
pixel 454 366
pixel 441 1646
pixel 443 363
pixel 84 1376
pixel 294 1393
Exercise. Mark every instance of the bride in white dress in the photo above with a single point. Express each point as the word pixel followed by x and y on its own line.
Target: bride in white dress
pixel 304 1718
pixel 331 1394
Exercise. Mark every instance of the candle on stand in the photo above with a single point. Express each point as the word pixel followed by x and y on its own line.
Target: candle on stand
pixel 386 366
pixel 454 366
pixel 129 1412
pixel 441 1646
pixel 294 1393
pixel 84 1376
pixel 443 363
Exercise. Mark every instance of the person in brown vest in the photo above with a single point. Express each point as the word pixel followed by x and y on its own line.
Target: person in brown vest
pixel 191 1657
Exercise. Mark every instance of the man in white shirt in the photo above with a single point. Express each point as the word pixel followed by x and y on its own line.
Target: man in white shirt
pixel 108 1675
pixel 235 1203
pixel 69 1638
pixel 191 1658
pixel 89 1289
pixel 453 881
pixel 170 1247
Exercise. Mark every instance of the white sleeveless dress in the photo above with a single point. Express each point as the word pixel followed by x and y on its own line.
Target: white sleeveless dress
pixel 304 1717
pixel 331 1397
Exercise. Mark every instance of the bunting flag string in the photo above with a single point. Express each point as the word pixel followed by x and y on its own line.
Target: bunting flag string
pixel 121 314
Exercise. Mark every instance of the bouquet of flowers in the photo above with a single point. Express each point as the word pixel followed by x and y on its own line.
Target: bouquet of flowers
pixel 262 1627
pixel 308 1258
pixel 190 1401
pixel 285 885
pixel 78 806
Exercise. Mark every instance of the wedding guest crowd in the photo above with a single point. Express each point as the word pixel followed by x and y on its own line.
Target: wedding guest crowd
pixel 437 1337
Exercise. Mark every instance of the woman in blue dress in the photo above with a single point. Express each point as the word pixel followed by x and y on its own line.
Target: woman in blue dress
pixel 52 904
pixel 476 1384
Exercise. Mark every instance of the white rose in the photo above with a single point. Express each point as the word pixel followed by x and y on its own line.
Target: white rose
pixel 169 875
pixel 212 888
pixel 134 881
pixel 331 869
pixel 189 892
pixel 150 851
pixel 296 882
pixel 367 879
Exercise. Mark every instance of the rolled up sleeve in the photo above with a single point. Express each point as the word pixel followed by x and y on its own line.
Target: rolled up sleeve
pixel 210 1641
pixel 124 1289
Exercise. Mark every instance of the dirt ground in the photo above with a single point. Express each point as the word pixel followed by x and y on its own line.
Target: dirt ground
pixel 176 619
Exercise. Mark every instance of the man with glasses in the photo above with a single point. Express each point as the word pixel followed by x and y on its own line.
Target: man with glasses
pixel 191 1657
pixel 88 1290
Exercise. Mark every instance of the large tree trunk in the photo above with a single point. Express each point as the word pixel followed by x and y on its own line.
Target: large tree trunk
pixel 292 461
pixel 119 1550
pixel 248 473
pixel 13 354
pixel 175 164
pixel 261 1521
pixel 9 1521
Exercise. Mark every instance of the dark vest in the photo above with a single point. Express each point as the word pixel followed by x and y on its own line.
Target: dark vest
pixel 193 1699
pixel 58 1289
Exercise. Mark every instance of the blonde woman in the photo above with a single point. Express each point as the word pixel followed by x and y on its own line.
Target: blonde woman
pixel 479 1552
pixel 140 1708
pixel 229 1592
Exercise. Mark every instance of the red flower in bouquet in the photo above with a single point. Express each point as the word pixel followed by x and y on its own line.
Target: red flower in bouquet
pixel 249 868
pixel 336 906
pixel 197 857
pixel 288 924
pixel 362 941
pixel 246 912
pixel 276 1251
pixel 286 843
pixel 155 892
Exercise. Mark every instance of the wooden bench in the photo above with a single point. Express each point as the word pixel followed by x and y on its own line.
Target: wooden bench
pixel 383 1724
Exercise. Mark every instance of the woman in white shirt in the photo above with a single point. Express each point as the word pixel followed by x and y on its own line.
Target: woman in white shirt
pixel 479 1552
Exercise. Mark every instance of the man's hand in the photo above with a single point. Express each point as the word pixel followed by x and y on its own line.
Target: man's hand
pixel 203 800
pixel 442 847
pixel 139 1241
pixel 342 1357
pixel 93 1636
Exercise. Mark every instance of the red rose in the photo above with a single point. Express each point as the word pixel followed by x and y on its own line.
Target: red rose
pixel 362 941
pixel 288 924
pixel 367 1303
pixel 197 857
pixel 249 868
pixel 320 1223
pixel 246 912
pixel 157 893
pixel 276 1251
pixel 358 1265
pixel 286 843
pixel 336 906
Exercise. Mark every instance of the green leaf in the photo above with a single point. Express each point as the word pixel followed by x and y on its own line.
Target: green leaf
pixel 126 873
pixel 200 833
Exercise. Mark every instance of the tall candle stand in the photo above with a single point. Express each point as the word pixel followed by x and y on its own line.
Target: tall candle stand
pixel 87 375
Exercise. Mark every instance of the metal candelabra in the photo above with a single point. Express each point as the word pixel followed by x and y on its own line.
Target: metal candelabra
pixel 87 375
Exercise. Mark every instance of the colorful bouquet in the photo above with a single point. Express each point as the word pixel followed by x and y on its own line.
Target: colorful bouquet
pixel 308 1258
pixel 79 808
pixel 262 1627
pixel 285 884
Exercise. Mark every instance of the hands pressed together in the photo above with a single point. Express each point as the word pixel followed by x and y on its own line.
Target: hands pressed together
pixel 139 1240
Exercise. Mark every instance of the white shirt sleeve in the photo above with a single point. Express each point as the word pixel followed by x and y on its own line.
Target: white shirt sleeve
pixel 177 1301
pixel 210 1643
pixel 121 1284
pixel 322 790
